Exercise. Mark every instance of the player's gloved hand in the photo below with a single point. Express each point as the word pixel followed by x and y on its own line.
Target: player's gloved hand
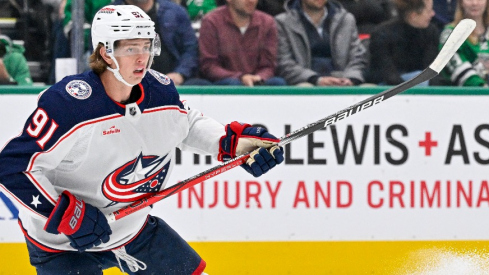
pixel 81 222
pixel 242 138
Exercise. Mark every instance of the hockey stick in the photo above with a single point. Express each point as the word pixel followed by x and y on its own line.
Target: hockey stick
pixel 458 36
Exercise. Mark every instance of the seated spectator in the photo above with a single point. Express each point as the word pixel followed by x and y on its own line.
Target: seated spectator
pixel 198 8
pixel 61 47
pixel 13 65
pixel 32 26
pixel 404 46
pixel 238 45
pixel 469 66
pixel 444 12
pixel 179 54
pixel 272 7
pixel 319 45
pixel 91 7
pixel 368 13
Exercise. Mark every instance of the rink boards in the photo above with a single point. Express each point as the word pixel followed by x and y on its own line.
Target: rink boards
pixel 401 182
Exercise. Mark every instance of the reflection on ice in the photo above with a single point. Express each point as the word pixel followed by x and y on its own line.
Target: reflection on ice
pixel 446 262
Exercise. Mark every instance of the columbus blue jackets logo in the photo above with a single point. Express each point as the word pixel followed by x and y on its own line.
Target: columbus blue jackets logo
pixel 79 89
pixel 136 178
pixel 163 79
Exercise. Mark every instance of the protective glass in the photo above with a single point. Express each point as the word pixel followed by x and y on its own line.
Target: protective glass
pixel 130 47
pixel 157 45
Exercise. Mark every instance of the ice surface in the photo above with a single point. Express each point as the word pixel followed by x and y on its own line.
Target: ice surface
pixel 446 262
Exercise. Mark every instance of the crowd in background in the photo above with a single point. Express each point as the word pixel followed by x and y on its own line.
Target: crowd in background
pixel 266 42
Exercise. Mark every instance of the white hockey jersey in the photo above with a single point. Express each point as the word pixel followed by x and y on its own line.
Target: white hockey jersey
pixel 79 139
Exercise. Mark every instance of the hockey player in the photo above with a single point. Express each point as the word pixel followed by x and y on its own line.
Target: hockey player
pixel 100 140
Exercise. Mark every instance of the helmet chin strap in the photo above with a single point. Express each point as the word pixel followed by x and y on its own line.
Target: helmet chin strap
pixel 118 75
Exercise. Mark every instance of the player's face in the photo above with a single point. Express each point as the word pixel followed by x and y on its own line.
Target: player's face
pixel 133 57
pixel 474 9
pixel 243 7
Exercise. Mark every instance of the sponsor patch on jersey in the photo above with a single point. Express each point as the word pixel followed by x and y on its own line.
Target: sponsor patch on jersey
pixel 112 130
pixel 79 89
pixel 163 79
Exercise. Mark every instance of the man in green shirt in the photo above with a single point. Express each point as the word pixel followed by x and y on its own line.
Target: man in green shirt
pixel 13 65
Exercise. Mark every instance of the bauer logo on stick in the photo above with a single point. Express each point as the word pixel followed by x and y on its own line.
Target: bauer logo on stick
pixel 353 110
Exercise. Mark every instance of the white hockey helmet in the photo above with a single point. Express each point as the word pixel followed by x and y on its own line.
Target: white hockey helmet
pixel 120 22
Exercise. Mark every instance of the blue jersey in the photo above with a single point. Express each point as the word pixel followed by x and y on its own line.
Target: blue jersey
pixel 79 139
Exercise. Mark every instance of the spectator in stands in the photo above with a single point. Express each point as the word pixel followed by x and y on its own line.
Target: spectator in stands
pixel 319 45
pixel 60 41
pixel 272 7
pixel 198 8
pixel 238 45
pixel 369 13
pixel 404 46
pixel 444 12
pixel 13 65
pixel 179 54
pixel 469 66
pixel 32 25
pixel 91 7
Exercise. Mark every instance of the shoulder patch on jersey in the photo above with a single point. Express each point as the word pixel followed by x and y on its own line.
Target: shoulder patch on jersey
pixel 163 79
pixel 79 89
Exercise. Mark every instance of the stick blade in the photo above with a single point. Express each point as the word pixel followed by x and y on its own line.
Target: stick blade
pixel 454 41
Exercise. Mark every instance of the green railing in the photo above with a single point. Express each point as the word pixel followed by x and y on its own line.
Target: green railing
pixel 287 90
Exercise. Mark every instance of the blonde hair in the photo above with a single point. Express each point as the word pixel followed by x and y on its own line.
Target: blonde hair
pixel 460 14
pixel 97 63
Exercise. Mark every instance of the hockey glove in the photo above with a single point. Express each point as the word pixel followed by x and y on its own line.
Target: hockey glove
pixel 243 138
pixel 81 222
